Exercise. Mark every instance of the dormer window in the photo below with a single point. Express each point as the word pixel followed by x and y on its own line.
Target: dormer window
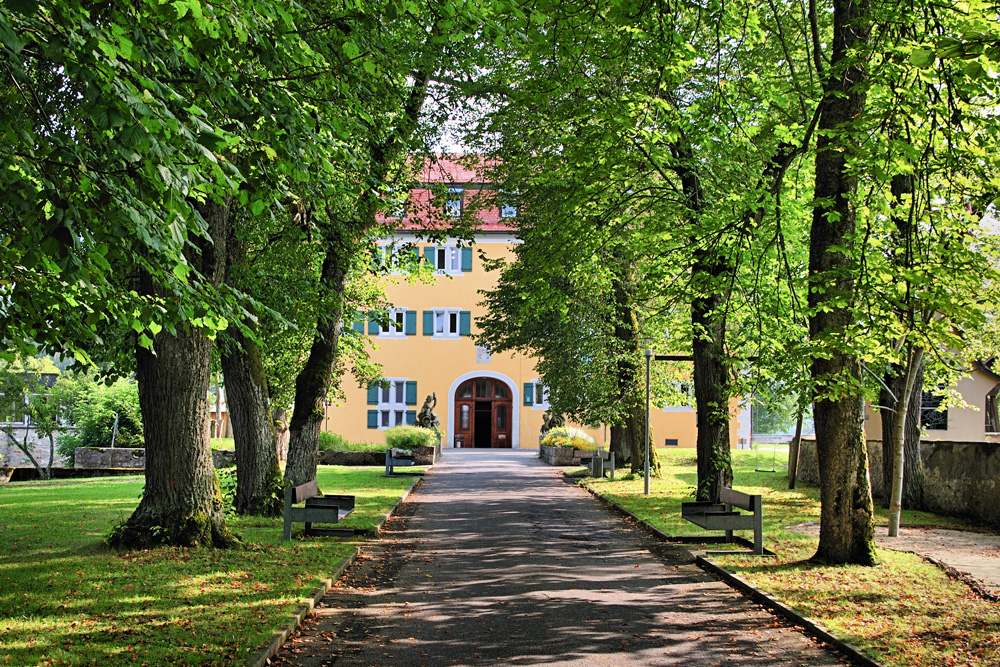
pixel 453 204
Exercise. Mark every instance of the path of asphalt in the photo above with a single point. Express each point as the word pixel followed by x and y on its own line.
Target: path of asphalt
pixel 494 560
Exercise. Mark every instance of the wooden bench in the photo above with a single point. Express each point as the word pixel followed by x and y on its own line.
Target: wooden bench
pixel 318 509
pixel 600 462
pixel 723 516
pixel 394 459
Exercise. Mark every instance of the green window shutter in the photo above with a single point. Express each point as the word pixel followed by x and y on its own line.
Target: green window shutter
pixel 466 259
pixel 359 322
pixel 372 323
pixel 373 394
pixel 429 254
pixel 373 419
pixel 411 392
pixel 416 254
pixel 464 323
pixel 428 322
pixel 529 393
pixel 411 323
pixel 411 417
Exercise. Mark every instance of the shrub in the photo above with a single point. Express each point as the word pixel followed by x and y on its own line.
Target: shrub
pixel 94 406
pixel 329 441
pixel 408 437
pixel 567 436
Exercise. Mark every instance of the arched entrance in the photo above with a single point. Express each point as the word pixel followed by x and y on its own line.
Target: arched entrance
pixel 483 414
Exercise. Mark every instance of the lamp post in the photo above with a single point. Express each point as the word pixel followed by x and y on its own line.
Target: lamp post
pixel 645 470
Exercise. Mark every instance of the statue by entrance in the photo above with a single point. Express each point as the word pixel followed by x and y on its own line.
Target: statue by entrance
pixel 426 416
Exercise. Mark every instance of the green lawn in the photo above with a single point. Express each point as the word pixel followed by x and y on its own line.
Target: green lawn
pixel 67 600
pixel 903 612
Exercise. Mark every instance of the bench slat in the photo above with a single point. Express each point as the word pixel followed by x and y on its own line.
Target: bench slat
pixel 303 491
pixel 736 498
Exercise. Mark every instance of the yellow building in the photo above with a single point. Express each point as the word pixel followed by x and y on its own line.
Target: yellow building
pixel 483 399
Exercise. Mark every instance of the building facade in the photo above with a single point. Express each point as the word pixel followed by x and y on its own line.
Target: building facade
pixel 426 348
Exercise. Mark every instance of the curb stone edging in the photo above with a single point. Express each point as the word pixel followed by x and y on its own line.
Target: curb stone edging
pixel 814 628
pixel 281 634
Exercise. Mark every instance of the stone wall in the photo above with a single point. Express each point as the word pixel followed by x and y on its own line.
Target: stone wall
pixel 960 478
pixel 14 458
pixel 131 458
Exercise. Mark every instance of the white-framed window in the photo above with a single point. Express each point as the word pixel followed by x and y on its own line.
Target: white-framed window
pixel 540 398
pixel 396 325
pixel 453 203
pixel 395 203
pixel 686 399
pixel 448 259
pixel 392 403
pixel 447 322
pixel 508 211
pixel 12 412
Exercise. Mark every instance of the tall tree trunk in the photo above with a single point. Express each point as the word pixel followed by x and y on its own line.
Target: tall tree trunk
pixel 313 382
pixel 258 477
pixel 630 377
pixel 711 385
pixel 847 533
pixel 182 503
pixel 620 445
pixel 711 377
pixel 913 469
pixel 914 364
pixel 793 449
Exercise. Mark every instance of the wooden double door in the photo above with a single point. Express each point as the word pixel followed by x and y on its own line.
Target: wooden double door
pixel 483 414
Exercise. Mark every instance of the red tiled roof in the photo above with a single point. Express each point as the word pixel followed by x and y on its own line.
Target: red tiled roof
pixel 423 213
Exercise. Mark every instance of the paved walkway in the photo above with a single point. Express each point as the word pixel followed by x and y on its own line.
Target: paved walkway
pixel 495 560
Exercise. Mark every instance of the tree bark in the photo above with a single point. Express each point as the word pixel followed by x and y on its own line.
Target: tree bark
pixel 711 377
pixel 313 382
pixel 847 533
pixel 914 364
pixel 793 450
pixel 182 503
pixel 258 477
pixel 630 381
pixel 711 385
pixel 913 469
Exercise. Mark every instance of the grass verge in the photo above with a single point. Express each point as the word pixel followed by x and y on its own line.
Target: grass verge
pixel 905 611
pixel 66 600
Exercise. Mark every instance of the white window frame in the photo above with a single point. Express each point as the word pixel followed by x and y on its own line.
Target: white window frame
pixel 448 316
pixel 539 389
pixel 395 315
pixel 391 405
pixel 686 389
pixel 389 255
pixel 454 203
pixel 448 260
pixel 24 422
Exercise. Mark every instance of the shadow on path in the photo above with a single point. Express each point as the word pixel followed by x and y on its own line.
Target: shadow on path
pixel 495 560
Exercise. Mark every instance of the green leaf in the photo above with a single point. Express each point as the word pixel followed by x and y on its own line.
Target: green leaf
pixel 922 57
pixel 975 70
pixel 351 50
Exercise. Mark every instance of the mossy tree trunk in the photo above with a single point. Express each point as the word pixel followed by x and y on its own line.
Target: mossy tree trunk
pixel 258 477
pixel 182 503
pixel 847 533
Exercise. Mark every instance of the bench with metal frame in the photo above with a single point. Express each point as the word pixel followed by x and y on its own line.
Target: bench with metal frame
pixel 318 508
pixel 723 516
pixel 600 462
pixel 395 460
